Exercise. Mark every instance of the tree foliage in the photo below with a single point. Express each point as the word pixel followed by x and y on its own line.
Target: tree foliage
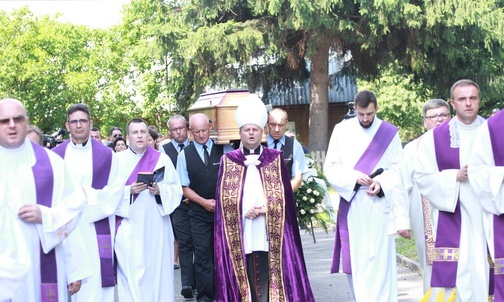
pixel 400 100
pixel 264 44
pixel 44 64
pixel 50 65
pixel 166 53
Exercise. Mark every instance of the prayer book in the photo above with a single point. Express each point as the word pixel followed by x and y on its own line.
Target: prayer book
pixel 145 177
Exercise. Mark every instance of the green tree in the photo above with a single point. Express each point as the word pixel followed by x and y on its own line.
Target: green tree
pixel 268 43
pixel 49 65
pixel 400 100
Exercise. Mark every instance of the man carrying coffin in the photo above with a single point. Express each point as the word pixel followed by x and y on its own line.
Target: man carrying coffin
pixel 144 238
pixel 180 217
pixel 197 167
pixel 366 221
pixel 96 169
pixel 40 204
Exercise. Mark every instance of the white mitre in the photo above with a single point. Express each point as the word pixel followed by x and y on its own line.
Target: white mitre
pixel 251 111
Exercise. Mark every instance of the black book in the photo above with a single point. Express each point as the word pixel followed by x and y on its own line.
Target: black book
pixel 145 177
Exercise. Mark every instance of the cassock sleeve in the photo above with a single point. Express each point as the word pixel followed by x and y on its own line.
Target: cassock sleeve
pixel 67 205
pixel 440 187
pixel 485 178
pixel 391 184
pixel 402 206
pixel 342 178
pixel 77 261
pixel 104 202
pixel 14 258
pixel 170 189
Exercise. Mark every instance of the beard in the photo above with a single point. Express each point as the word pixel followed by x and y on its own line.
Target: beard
pixel 368 125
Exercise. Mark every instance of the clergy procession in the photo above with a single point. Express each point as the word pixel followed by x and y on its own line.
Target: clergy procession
pixel 86 221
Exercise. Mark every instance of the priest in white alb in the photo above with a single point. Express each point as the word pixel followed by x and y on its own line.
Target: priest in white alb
pixel 460 267
pixel 486 176
pixel 435 112
pixel 42 204
pixel 366 227
pixel 144 238
pixel 96 169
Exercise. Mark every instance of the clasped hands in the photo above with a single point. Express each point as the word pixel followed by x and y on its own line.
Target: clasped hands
pixel 374 186
pixel 138 187
pixel 255 212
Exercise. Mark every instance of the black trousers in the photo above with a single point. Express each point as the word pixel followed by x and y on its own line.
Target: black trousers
pixel 202 229
pixel 182 229
pixel 258 276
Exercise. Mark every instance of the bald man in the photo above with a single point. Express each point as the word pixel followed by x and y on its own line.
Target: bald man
pixel 197 167
pixel 40 204
pixel 292 149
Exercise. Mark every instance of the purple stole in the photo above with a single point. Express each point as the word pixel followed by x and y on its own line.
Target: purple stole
pixel 446 247
pixel 146 164
pixel 102 162
pixel 44 186
pixel 496 124
pixel 366 163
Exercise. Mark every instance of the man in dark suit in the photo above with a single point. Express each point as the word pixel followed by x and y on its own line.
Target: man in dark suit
pixel 180 219
pixel 292 149
pixel 197 167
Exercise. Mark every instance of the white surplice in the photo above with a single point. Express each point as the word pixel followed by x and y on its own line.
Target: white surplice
pixel 255 236
pixel 486 180
pixel 18 188
pixel 144 240
pixel 413 206
pixel 371 221
pixel 15 264
pixel 100 204
pixel 442 189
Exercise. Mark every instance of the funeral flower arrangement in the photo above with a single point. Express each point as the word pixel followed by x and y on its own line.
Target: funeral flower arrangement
pixel 310 202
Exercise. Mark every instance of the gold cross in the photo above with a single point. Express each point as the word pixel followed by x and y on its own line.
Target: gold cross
pixel 443 254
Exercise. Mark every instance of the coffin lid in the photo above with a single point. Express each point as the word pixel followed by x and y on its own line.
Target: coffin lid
pixel 220 107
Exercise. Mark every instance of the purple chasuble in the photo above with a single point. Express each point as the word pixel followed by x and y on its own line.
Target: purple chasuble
pixel 102 163
pixel 366 163
pixel 44 186
pixel 146 164
pixel 446 247
pixel 495 125
pixel 288 278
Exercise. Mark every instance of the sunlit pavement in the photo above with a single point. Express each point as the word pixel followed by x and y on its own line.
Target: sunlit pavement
pixel 334 287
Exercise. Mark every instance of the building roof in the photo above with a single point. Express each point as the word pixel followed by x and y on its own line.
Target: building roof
pixel 342 89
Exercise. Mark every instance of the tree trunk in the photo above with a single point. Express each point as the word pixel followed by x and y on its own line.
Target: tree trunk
pixel 319 103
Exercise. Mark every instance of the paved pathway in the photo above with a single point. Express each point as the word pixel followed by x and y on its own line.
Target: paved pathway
pixel 334 287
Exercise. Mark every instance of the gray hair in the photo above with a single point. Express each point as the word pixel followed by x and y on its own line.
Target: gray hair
pixel 434 103
pixel 462 83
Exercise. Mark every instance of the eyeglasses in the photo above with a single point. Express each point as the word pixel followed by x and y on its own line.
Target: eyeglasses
pixel 116 135
pixel 178 129
pixel 16 120
pixel 81 121
pixel 438 116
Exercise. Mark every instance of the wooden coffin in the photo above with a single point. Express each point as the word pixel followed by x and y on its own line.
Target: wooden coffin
pixel 220 107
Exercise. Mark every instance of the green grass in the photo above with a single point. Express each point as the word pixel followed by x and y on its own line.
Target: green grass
pixel 406 247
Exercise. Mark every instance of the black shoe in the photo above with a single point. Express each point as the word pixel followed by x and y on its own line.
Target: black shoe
pixel 187 292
